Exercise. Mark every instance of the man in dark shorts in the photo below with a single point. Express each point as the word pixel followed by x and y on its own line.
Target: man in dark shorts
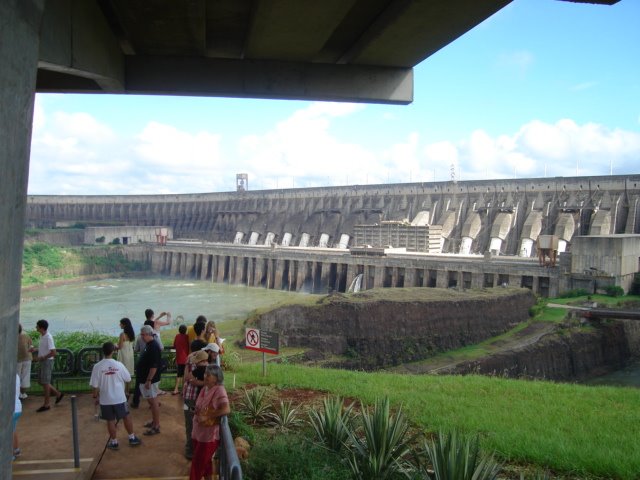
pixel 148 373
pixel 108 379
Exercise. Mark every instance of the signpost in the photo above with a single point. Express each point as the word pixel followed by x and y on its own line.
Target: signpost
pixel 262 341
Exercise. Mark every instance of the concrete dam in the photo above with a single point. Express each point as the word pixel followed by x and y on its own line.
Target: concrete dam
pixel 299 238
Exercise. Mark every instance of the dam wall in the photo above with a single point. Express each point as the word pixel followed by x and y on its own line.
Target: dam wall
pixel 502 216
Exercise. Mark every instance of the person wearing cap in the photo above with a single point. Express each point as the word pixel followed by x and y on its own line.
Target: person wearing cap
pixel 193 382
pixel 213 350
pixel 148 374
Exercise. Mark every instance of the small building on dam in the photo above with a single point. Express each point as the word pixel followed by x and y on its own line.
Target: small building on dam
pixel 443 234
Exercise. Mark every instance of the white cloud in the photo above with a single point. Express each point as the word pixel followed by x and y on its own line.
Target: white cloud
pixel 74 153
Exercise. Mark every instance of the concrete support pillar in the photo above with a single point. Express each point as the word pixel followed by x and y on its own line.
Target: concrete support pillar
pixel 204 266
pixel 251 272
pixel 536 285
pixel 19 43
pixel 410 277
pixel 189 265
pixel 442 279
pixel 277 274
pixel 185 263
pixel 324 278
pixel 214 268
pixel 259 272
pixel 222 261
pixel 394 277
pixel 175 264
pixel 378 279
pixel 232 270
pixel 302 273
pixel 477 280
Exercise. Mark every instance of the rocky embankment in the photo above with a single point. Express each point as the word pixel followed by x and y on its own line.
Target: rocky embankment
pixel 407 327
pixel 571 351
pixel 378 328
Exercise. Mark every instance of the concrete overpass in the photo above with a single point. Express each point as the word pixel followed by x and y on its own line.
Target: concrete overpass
pixel 350 50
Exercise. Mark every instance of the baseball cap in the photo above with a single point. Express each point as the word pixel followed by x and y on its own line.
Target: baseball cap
pixel 212 347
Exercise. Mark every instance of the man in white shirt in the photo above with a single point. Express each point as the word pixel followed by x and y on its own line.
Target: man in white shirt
pixel 46 354
pixel 108 379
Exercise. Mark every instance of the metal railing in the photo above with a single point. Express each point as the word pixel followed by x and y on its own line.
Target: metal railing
pixel 230 468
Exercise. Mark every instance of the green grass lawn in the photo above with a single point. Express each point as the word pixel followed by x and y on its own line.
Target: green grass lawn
pixel 572 429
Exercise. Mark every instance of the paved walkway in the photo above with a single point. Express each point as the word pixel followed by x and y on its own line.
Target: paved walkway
pixel 47 443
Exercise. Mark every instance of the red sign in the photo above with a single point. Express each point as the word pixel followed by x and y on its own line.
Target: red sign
pixel 261 340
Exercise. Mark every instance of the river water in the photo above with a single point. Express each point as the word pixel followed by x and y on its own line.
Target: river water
pixel 99 305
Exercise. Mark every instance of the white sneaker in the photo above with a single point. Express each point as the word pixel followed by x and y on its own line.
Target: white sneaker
pixel 22 396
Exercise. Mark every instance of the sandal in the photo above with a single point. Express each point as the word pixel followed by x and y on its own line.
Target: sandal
pixel 152 431
pixel 148 424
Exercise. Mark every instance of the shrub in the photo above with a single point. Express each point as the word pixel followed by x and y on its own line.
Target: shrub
pixel 614 291
pixel 291 457
pixel 576 292
pixel 333 423
pixel 378 450
pixel 455 456
pixel 239 427
pixel 255 404
pixel 284 417
pixel 231 361
pixel 100 239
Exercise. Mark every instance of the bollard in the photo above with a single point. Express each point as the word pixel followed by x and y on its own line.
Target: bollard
pixel 74 429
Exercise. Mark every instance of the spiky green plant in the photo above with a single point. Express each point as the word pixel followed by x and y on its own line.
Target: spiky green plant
pixel 333 423
pixel 455 456
pixel 284 417
pixel 377 451
pixel 255 404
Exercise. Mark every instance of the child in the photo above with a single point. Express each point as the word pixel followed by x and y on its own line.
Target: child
pixel 181 346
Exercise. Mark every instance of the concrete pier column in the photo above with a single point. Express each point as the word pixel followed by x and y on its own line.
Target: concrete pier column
pixel 410 277
pixel 204 266
pixel 214 268
pixel 175 264
pixel 442 279
pixel 222 261
pixel 477 280
pixel 251 272
pixel 19 42
pixel 277 273
pixel 324 278
pixel 394 277
pixel 259 272
pixel 186 265
pixel 378 279
pixel 302 274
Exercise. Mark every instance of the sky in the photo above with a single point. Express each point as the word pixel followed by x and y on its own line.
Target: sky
pixel 543 88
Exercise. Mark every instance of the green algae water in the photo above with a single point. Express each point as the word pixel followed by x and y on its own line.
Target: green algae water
pixel 99 305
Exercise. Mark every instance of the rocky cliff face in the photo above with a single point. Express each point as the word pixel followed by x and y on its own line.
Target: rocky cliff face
pixel 381 332
pixel 567 354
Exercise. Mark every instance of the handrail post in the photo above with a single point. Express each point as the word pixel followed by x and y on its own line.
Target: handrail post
pixel 74 428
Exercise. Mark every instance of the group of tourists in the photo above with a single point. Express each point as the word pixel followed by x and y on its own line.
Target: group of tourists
pixel 199 379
